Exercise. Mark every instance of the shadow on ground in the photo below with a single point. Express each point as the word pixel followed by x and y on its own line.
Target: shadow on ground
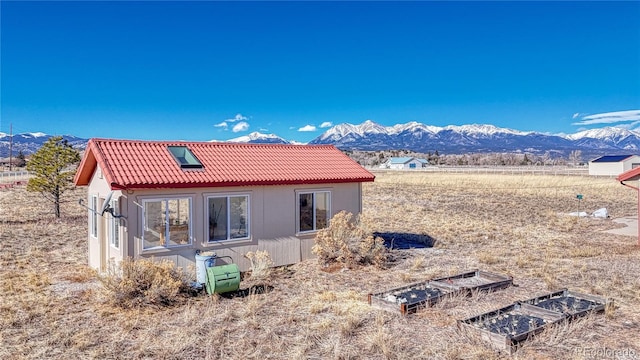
pixel 253 290
pixel 403 241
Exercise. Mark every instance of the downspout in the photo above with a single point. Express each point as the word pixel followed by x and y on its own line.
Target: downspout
pixel 638 191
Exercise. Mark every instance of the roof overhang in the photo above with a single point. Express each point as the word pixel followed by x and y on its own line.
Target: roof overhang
pixel 116 186
pixel 629 175
pixel 86 168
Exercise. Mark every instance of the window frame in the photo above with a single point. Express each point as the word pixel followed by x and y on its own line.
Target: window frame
pixel 313 192
pixel 227 196
pixel 185 158
pixel 167 224
pixel 93 216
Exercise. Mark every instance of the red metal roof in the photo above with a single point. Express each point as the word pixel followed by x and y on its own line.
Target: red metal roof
pixel 135 164
pixel 633 174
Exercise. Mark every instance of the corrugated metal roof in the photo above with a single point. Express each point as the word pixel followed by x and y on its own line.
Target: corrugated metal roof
pixel 611 158
pixel 134 164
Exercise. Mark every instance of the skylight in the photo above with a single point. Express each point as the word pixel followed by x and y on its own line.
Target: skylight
pixel 185 157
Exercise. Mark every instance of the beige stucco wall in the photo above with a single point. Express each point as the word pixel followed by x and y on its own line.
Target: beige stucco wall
pixel 99 248
pixel 272 223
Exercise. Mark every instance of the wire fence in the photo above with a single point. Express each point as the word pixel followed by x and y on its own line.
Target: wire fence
pixel 504 170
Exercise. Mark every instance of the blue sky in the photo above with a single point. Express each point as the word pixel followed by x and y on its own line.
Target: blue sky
pixel 219 70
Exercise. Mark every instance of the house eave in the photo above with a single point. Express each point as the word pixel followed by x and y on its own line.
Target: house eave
pixel 190 185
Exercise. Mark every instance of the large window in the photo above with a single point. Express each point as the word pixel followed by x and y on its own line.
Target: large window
pixel 313 210
pixel 93 216
pixel 114 226
pixel 166 223
pixel 228 217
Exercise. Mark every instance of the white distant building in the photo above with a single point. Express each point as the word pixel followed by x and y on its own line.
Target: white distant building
pixel 613 165
pixel 404 163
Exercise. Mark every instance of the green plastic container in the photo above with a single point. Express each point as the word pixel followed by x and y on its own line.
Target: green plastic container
pixel 222 279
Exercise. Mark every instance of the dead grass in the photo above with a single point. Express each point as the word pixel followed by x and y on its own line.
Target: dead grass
pixel 51 305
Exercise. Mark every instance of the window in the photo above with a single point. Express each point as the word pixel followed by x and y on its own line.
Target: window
pixel 313 210
pixel 93 216
pixel 114 226
pixel 412 166
pixel 185 157
pixel 228 217
pixel 166 223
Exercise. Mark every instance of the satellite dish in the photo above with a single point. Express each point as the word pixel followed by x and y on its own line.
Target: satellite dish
pixel 106 206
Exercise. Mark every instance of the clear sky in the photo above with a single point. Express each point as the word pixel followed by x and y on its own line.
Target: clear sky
pixel 219 70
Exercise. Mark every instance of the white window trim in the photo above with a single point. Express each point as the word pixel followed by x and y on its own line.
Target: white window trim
pixel 114 223
pixel 314 192
pixel 166 246
pixel 206 216
pixel 93 216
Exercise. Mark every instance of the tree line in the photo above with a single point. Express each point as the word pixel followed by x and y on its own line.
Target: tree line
pixel 376 158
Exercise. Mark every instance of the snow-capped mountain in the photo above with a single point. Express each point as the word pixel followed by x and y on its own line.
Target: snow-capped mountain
pixel 28 143
pixel 455 139
pixel 415 136
pixel 259 138
pixel 607 136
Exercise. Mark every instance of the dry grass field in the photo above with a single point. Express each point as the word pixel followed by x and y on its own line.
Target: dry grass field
pixel 53 306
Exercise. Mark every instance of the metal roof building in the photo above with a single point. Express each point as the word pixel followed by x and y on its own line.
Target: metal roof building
pixel 613 165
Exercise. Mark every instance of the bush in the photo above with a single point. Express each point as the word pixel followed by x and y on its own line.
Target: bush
pixel 349 243
pixel 145 282
pixel 261 264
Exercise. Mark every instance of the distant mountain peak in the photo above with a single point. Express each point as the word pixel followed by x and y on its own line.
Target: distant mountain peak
pixel 608 132
pixel 259 138
pixel 484 129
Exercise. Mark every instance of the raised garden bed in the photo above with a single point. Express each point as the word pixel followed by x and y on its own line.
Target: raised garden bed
pixel 572 304
pixel 409 298
pixel 474 280
pixel 505 328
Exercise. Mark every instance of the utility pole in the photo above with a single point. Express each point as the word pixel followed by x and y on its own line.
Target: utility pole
pixel 10 147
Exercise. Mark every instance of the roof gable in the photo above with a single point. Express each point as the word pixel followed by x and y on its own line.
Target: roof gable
pixel 132 164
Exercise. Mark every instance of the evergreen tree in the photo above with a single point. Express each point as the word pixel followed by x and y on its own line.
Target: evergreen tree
pixel 53 170
pixel 20 160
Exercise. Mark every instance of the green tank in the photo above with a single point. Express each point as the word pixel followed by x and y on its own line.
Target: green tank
pixel 222 279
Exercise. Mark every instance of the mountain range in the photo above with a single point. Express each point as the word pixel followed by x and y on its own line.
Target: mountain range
pixel 418 137
pixel 28 143
pixel 474 138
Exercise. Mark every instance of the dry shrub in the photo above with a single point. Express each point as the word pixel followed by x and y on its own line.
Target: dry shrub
pixel 488 258
pixel 349 243
pixel 140 282
pixel 261 264
pixel 585 251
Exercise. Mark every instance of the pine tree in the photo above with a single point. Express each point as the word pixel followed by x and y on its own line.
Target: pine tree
pixel 53 170
pixel 21 161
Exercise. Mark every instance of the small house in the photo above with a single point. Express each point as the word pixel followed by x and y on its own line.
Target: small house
pixel 169 199
pixel 613 165
pixel 403 163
